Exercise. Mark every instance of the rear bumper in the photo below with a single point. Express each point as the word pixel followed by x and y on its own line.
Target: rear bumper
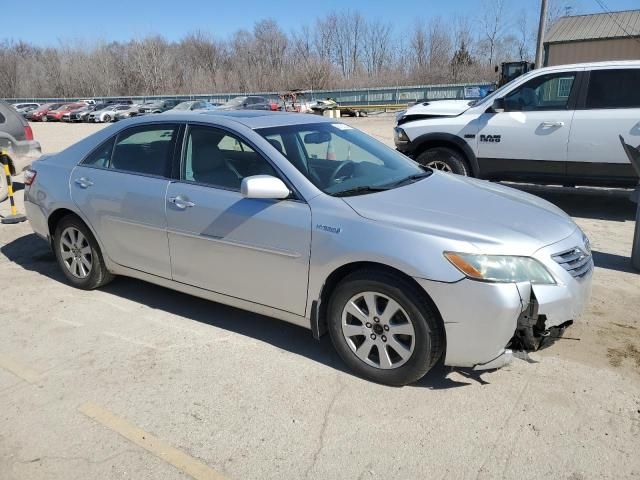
pixel 37 218
pixel 22 153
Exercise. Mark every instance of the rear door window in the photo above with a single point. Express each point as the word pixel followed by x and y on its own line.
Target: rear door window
pixel 614 89
pixel 146 150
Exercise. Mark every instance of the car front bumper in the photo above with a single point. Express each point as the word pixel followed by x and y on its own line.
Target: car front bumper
pixel 480 318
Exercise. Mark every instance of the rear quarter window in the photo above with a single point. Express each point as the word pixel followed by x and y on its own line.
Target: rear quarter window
pixel 614 89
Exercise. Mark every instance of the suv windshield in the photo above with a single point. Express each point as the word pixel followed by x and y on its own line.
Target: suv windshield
pixel 341 160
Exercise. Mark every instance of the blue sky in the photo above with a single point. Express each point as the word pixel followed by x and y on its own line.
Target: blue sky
pixel 45 22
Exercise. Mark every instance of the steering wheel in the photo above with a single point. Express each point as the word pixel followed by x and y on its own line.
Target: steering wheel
pixel 340 172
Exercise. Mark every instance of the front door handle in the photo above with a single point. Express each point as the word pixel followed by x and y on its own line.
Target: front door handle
pixel 552 124
pixel 83 182
pixel 181 202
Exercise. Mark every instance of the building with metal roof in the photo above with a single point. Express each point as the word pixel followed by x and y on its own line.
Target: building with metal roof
pixel 592 38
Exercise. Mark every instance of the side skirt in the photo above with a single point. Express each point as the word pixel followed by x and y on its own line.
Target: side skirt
pixel 214 296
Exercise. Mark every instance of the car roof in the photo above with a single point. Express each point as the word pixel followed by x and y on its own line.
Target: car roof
pixel 252 119
pixel 264 118
pixel 589 65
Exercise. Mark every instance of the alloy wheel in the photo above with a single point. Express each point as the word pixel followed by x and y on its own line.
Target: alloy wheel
pixel 440 165
pixel 76 253
pixel 378 330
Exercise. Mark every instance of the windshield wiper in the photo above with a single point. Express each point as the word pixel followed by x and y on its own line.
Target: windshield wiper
pixel 357 190
pixel 410 179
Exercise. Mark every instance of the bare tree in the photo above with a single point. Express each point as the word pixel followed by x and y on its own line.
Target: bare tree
pixel 492 25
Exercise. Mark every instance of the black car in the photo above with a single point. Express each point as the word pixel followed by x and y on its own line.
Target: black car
pixel 251 102
pixel 157 106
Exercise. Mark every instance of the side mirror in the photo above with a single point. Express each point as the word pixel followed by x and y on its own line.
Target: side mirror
pixel 264 186
pixel 497 106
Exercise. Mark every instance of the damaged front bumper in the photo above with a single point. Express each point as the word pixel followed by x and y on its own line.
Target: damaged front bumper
pixel 482 318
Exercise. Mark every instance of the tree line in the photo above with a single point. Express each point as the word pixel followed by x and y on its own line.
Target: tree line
pixel 340 50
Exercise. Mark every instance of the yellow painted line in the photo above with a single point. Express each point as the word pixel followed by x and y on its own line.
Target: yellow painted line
pixel 25 373
pixel 152 444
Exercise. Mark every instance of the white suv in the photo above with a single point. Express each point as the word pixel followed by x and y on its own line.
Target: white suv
pixel 557 125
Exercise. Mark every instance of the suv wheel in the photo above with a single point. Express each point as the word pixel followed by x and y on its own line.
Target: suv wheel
pixel 79 255
pixel 445 160
pixel 382 328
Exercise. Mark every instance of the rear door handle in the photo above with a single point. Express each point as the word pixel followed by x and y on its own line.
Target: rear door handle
pixel 181 202
pixel 552 124
pixel 83 182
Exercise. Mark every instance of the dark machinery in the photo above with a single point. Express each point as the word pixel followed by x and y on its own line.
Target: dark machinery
pixel 633 153
pixel 510 70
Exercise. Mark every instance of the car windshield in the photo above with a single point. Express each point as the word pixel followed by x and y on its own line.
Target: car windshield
pixel 341 160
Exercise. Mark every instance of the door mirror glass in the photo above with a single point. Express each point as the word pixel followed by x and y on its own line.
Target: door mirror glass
pixel 264 186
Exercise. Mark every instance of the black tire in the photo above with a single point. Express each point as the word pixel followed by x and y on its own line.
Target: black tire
pixel 98 274
pixel 429 335
pixel 439 157
pixel 106 118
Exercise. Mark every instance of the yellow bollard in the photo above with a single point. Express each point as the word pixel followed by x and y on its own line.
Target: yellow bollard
pixel 14 217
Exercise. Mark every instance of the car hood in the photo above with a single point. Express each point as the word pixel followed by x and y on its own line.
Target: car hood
pixel 439 107
pixel 482 216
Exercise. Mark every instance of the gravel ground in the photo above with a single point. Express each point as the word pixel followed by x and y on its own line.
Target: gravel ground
pixel 136 381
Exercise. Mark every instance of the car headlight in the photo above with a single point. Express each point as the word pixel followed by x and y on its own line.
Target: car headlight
pixel 501 268
pixel 400 136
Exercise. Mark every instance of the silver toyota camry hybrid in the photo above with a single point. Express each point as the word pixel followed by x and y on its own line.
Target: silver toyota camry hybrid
pixel 313 222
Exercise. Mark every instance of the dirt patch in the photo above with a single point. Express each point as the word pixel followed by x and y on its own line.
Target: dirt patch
pixel 628 352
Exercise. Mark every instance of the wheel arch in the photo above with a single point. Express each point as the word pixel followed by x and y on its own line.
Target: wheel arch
pixel 431 140
pixel 319 306
pixel 59 213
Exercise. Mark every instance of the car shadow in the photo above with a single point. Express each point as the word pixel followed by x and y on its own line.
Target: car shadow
pixel 612 261
pixel 33 254
pixel 583 202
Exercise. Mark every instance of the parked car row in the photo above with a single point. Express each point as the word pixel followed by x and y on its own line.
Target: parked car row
pixel 114 110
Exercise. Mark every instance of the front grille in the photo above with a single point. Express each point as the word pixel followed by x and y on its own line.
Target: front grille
pixel 575 261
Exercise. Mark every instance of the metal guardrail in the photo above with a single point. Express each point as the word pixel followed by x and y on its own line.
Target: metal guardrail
pixel 375 96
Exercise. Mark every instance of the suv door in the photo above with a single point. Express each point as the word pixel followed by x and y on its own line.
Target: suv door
pixel 252 249
pixel 611 107
pixel 120 189
pixel 529 139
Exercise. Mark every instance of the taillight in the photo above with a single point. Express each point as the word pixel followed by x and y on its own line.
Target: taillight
pixel 28 133
pixel 29 176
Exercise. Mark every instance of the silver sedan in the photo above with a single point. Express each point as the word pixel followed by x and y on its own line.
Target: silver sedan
pixel 313 222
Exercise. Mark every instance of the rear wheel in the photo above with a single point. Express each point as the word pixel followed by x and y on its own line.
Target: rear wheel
pixel 79 255
pixel 444 159
pixel 383 329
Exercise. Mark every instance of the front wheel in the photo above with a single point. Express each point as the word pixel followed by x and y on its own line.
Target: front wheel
pixel 383 329
pixel 444 159
pixel 79 255
pixel 106 118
